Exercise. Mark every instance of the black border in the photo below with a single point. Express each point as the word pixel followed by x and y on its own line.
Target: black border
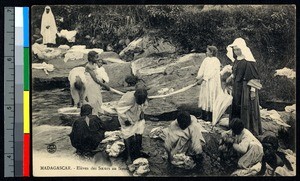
pixel 29 3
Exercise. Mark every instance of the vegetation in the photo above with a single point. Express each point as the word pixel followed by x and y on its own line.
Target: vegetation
pixel 269 30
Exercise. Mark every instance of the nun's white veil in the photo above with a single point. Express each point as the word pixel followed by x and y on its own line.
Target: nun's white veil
pixel 240 43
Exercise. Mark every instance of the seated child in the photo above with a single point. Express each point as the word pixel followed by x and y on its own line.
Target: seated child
pixel 244 143
pixel 184 136
pixel 87 131
pixel 274 160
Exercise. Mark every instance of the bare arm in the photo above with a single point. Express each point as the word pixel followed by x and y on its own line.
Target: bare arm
pixel 94 77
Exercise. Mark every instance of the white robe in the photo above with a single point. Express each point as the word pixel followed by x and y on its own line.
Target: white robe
pixel 80 72
pixel 188 141
pixel 49 34
pixel 93 90
pixel 211 86
pixel 128 109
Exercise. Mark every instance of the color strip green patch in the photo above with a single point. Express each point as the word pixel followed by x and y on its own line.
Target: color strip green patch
pixel 26 70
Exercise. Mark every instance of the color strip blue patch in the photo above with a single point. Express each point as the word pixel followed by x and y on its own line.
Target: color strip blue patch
pixel 26 26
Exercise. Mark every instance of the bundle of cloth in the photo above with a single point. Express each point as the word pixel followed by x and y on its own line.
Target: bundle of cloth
pixel 69 35
pixel 77 52
pixel 64 47
pixel 139 167
pixel 289 73
pixel 43 66
pixel 183 161
pixel 158 132
pixel 252 171
pixel 290 109
pixel 43 52
pixel 114 143
pixel 274 116
pixel 115 149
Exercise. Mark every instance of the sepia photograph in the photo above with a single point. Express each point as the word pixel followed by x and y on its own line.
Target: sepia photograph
pixel 163 90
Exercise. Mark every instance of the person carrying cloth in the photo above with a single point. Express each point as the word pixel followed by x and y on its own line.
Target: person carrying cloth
pixel 210 82
pixel 96 77
pixel 130 109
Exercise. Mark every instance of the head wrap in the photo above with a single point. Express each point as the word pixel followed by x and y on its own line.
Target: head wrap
pixel 246 52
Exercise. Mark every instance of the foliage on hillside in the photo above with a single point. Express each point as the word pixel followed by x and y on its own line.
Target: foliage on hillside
pixel 269 30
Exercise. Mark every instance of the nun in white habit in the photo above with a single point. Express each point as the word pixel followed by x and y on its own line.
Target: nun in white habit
pixel 48 27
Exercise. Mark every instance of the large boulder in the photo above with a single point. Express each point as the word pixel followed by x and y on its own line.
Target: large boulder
pixel 168 74
pixel 162 75
pixel 146 46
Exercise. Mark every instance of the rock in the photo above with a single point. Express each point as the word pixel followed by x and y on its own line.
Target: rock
pixel 105 55
pixel 173 74
pixel 117 78
pixel 157 73
pixel 59 135
pixel 58 78
pixel 146 46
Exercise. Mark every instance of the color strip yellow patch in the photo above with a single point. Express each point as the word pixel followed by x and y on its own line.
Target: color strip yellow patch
pixel 26 112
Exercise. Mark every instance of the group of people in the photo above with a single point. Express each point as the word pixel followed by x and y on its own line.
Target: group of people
pixel 244 80
pixel 184 134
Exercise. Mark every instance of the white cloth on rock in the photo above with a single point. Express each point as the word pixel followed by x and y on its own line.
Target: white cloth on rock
pixel 183 161
pixel 274 116
pixel 139 167
pixel 43 66
pixel 287 72
pixel 69 35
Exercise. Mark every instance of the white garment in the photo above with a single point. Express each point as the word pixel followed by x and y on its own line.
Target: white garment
pixel 289 73
pixel 246 52
pixel 49 34
pixel 77 71
pixel 73 55
pixel 246 138
pixel 44 66
pixel 69 35
pixel 188 141
pixel 93 90
pixel 128 109
pixel 211 84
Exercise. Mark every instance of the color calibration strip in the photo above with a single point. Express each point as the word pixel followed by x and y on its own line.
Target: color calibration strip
pixel 22 94
pixel 19 59
pixel 26 95
pixel 17 101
